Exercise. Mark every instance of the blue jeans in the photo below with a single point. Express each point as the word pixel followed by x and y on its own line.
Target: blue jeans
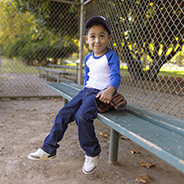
pixel 83 110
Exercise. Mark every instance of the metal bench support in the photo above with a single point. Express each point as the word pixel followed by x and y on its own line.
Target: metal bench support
pixel 113 148
pixel 65 101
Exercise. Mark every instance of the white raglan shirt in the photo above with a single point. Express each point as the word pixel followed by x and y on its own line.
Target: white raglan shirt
pixel 103 71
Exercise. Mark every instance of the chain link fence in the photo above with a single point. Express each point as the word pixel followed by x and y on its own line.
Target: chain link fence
pixel 147 35
pixel 33 34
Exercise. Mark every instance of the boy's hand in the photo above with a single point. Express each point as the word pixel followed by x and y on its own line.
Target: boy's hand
pixel 106 95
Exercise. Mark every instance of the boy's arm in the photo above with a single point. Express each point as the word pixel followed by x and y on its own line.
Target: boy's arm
pixel 115 78
pixel 114 66
pixel 106 95
pixel 86 70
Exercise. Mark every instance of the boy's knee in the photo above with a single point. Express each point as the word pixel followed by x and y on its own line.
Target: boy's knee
pixel 79 117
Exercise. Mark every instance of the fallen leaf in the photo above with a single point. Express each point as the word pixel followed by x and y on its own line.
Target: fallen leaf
pixel 147 165
pixel 142 179
pixel 134 151
pixel 123 137
pixel 105 134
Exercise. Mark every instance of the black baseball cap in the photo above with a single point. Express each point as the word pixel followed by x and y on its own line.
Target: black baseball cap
pixel 98 19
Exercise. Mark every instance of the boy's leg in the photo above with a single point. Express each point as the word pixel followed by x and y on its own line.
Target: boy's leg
pixel 87 137
pixel 84 119
pixel 65 116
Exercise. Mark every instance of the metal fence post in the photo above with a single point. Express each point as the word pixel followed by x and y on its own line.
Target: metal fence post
pixel 81 43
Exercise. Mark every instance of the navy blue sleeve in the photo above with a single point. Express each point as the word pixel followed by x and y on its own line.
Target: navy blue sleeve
pixel 86 70
pixel 114 65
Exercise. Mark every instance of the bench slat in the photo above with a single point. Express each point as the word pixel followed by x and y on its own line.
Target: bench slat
pixel 55 71
pixel 52 71
pixel 148 133
pixel 163 120
pixel 64 90
pixel 62 66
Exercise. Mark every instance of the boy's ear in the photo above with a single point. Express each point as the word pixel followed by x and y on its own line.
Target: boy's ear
pixel 109 38
pixel 86 39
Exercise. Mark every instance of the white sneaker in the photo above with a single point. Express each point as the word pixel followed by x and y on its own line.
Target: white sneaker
pixel 90 164
pixel 40 155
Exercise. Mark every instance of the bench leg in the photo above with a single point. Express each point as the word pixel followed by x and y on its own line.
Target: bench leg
pixel 39 73
pixel 46 75
pixel 113 148
pixel 65 101
pixel 58 78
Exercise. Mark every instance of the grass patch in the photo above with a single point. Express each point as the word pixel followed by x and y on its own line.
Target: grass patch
pixel 167 69
pixel 172 70
pixel 14 66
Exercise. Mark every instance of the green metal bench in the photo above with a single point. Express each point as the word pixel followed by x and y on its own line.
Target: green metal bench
pixel 57 72
pixel 159 133
pixel 62 66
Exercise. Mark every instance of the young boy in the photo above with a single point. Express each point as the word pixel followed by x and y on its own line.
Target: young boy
pixel 101 80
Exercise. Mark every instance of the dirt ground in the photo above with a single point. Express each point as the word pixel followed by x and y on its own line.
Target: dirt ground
pixel 23 127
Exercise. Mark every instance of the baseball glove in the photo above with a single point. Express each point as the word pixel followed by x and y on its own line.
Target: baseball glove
pixel 118 102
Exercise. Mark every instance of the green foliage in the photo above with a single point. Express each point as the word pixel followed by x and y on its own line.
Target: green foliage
pixel 149 31
pixel 52 15
pixel 28 32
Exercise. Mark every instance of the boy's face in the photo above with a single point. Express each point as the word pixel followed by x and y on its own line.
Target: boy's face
pixel 98 38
